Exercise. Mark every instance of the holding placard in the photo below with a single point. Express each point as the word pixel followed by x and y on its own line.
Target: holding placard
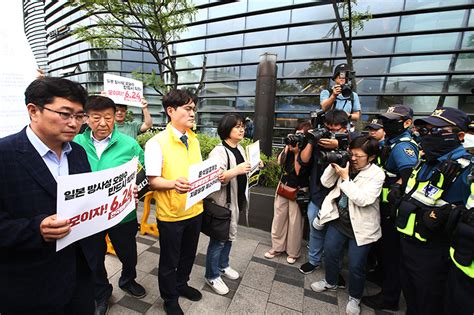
pixel 123 90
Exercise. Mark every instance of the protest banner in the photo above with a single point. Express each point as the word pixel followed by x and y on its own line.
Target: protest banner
pixel 95 201
pixel 203 178
pixel 253 156
pixel 122 90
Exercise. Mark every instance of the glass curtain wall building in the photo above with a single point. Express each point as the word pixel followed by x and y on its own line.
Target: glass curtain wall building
pixel 76 60
pixel 35 31
pixel 414 52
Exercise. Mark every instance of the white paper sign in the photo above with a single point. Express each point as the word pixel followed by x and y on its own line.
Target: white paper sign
pixel 123 90
pixel 253 155
pixel 203 180
pixel 95 201
pixel 17 69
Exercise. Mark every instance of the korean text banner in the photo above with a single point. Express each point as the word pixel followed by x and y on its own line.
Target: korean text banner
pixel 95 201
pixel 203 178
pixel 122 90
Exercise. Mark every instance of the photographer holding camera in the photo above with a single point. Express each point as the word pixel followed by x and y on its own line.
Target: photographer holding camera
pixel 341 95
pixel 287 224
pixel 351 213
pixel 321 142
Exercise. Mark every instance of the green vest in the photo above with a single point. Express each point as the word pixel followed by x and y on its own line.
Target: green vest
pixel 464 239
pixel 420 194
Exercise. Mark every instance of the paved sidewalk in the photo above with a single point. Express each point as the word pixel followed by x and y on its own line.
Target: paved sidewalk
pixel 265 286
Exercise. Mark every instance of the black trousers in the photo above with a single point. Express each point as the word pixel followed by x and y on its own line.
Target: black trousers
pixel 388 257
pixel 123 238
pixel 82 300
pixel 459 293
pixel 423 274
pixel 178 245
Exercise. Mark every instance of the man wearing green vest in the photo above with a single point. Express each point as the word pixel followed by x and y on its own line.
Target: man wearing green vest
pixel 168 156
pixel 460 291
pixel 106 147
pixel 428 211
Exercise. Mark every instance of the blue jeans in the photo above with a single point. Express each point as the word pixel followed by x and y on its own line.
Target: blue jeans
pixel 316 237
pixel 217 258
pixel 333 247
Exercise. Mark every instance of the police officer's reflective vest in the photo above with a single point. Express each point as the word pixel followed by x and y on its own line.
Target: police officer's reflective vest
pixel 424 195
pixel 391 178
pixel 462 250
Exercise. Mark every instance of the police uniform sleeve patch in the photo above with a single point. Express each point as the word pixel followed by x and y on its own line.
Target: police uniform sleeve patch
pixel 410 152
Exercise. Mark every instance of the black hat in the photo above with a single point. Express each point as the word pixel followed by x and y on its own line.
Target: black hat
pixel 397 112
pixel 375 124
pixel 444 117
pixel 340 68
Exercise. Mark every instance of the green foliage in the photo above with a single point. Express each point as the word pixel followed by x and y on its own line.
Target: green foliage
pixel 269 175
pixel 207 143
pixel 139 25
pixel 144 137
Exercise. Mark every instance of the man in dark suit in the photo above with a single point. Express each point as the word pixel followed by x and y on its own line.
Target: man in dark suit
pixel 34 278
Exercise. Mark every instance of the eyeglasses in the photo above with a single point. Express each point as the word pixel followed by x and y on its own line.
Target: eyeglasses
pixel 240 127
pixel 79 117
pixel 434 131
pixel 97 118
pixel 359 156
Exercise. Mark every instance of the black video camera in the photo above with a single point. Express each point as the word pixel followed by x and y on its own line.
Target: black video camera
pixel 339 156
pixel 297 139
pixel 318 134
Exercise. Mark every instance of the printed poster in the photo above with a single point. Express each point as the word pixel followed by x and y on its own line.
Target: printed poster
pixel 123 90
pixel 203 178
pixel 95 201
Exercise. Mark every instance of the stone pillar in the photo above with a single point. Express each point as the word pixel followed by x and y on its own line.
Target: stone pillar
pixel 265 102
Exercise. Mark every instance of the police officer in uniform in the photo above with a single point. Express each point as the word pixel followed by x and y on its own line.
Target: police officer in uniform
pixel 460 289
pixel 428 211
pixel 399 157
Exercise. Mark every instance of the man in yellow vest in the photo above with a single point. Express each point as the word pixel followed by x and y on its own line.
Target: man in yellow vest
pixel 428 213
pixel 460 290
pixel 169 155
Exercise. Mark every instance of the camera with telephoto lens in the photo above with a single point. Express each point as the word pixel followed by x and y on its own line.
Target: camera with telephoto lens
pixel 318 134
pixel 297 139
pixel 340 156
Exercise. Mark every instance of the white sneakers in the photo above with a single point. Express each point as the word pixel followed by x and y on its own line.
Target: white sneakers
pixel 230 273
pixel 353 306
pixel 218 286
pixel 320 286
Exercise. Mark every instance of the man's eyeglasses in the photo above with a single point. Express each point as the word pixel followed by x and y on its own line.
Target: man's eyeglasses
pixel 434 131
pixel 79 117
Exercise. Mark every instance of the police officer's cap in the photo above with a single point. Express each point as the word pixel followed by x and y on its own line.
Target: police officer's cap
pixel 343 67
pixel 375 124
pixel 444 117
pixel 397 112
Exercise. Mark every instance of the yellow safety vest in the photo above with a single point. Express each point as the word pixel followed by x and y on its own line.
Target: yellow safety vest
pixel 170 206
pixel 468 270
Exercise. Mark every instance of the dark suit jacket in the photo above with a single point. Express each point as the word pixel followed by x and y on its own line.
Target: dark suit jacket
pixel 32 275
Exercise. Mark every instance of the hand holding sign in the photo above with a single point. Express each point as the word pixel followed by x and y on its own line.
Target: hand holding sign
pixel 181 185
pixel 52 229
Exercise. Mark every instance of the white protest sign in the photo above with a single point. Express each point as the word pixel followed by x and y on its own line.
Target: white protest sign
pixel 253 156
pixel 17 69
pixel 203 180
pixel 95 201
pixel 123 90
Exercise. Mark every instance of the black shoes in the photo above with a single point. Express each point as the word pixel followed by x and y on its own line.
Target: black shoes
pixel 377 303
pixel 172 308
pixel 134 289
pixel 308 268
pixel 101 308
pixel 190 293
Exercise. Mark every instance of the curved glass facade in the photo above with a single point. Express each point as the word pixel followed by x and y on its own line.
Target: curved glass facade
pixel 33 20
pixel 414 52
